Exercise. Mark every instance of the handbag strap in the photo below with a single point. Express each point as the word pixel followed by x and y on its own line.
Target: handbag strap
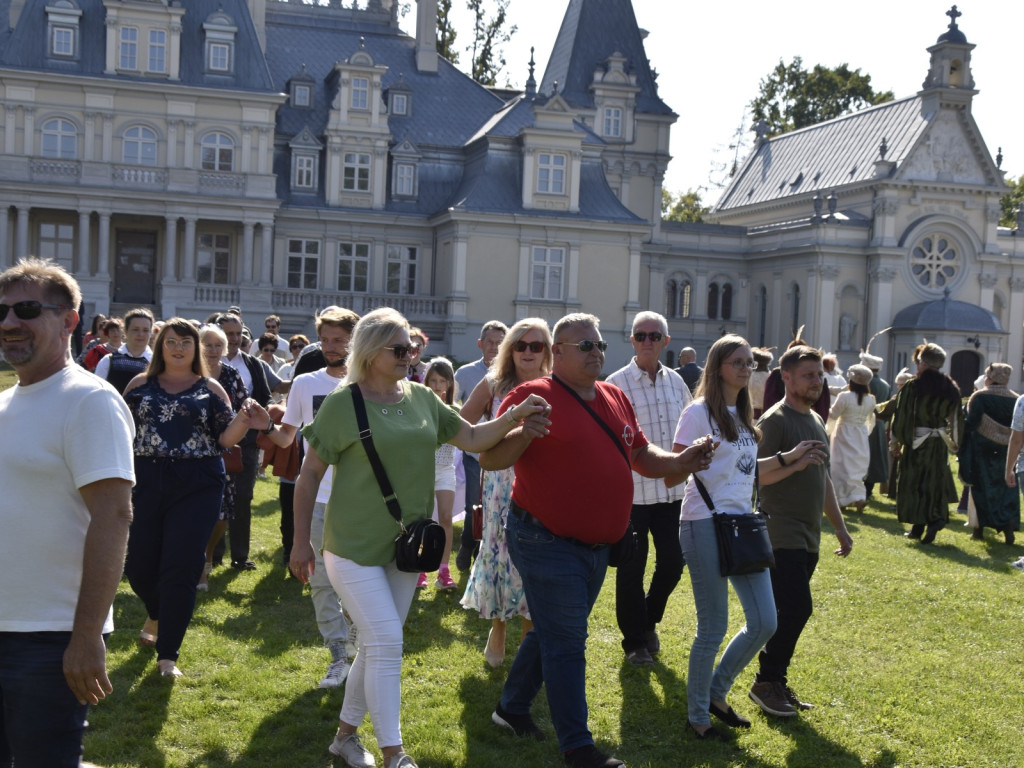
pixel 707 496
pixel 598 419
pixel 366 438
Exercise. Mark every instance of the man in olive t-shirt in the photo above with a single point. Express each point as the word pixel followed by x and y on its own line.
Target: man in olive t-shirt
pixel 793 495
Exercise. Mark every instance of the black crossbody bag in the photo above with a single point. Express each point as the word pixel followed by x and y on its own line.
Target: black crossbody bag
pixel 625 548
pixel 419 546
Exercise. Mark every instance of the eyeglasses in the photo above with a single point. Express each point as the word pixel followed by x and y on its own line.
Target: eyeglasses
pixel 271 327
pixel 401 352
pixel 27 310
pixel 739 365
pixel 584 346
pixel 641 336
pixel 175 345
pixel 296 346
pixel 533 346
pixel 268 350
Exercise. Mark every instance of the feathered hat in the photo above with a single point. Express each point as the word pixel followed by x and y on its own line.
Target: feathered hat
pixel 874 362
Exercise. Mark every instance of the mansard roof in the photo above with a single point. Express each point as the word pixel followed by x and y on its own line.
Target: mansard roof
pixel 591 31
pixel 22 49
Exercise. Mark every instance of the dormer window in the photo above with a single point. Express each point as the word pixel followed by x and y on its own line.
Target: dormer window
pixel 63 41
pixel 399 104
pixel 219 32
pixel 302 96
pixel 220 57
pixel 551 173
pixel 62 20
pixel 158 50
pixel 356 172
pixel 360 93
pixel 404 183
pixel 129 57
pixel 305 162
pixel 613 122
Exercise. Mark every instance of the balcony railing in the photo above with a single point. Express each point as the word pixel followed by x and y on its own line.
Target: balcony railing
pixel 419 307
pixel 56 170
pixel 138 176
pixel 217 295
pixel 221 182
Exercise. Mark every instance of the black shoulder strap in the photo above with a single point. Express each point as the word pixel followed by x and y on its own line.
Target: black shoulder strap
pixel 707 496
pixel 598 419
pixel 371 452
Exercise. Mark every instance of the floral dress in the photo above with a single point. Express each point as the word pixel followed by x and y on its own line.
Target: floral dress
pixel 495 588
pixel 183 425
pixel 231 380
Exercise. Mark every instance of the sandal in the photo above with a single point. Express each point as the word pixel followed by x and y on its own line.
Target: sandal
pixel 148 639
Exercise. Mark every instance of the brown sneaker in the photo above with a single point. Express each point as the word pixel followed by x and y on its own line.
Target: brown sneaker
pixel 771 698
pixel 795 701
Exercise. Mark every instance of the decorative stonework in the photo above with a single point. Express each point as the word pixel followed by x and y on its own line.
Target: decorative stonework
pixel 935 262
pixel 944 155
pixel 987 280
pixel 882 274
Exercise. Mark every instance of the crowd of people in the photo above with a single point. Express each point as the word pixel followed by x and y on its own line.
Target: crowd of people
pixel 188 419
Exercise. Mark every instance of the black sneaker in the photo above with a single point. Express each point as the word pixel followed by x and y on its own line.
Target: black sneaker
pixel 520 725
pixel 464 558
pixel 794 700
pixel 591 757
pixel 653 642
pixel 244 565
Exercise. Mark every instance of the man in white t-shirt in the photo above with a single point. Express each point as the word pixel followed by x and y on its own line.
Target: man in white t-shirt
pixel 334 328
pixel 64 519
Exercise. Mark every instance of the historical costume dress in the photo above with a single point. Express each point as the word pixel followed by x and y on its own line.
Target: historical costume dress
pixel 849 424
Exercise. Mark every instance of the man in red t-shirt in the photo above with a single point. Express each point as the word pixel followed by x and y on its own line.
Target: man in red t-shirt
pixel 571 499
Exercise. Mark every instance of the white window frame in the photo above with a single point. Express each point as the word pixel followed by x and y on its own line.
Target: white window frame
pixel 360 98
pixel 355 256
pixel 222 148
pixel 355 173
pixel 219 56
pixel 400 269
pixel 157 47
pixel 57 242
pixel 547 273
pixel 305 167
pixel 145 141
pixel 303 265
pixel 214 248
pixel 56 43
pixel 302 95
pixel 399 104
pixel 551 167
pixel 613 122
pixel 65 134
pixel 128 49
pixel 404 182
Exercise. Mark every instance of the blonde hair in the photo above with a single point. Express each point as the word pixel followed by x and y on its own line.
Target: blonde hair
pixel 372 333
pixel 502 375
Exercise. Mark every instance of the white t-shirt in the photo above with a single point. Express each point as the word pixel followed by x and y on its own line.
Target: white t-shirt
pixel 730 478
pixel 307 393
pixel 59 434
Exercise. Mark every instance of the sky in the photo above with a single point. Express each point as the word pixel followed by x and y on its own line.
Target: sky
pixel 711 57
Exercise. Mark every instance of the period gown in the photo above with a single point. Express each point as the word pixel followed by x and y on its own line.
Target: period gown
pixel 983 458
pixel 849 425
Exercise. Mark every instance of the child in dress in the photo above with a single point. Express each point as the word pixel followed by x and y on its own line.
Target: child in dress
pixel 440 377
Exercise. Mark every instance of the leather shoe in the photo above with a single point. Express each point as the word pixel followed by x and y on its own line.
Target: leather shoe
pixel 933 528
pixel 914 532
pixel 709 734
pixel 728 716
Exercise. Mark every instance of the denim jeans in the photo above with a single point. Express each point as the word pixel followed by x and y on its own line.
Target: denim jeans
pixel 561 580
pixel 326 603
pixel 636 612
pixel 41 721
pixel 791 585
pixel 378 598
pixel 245 483
pixel 704 681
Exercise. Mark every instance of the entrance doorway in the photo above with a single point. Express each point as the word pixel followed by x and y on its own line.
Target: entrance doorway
pixel 964 368
pixel 135 267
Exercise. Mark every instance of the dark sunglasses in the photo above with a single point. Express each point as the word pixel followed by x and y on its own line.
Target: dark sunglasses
pixel 401 352
pixel 642 336
pixel 28 310
pixel 268 349
pixel 586 345
pixel 296 346
pixel 533 346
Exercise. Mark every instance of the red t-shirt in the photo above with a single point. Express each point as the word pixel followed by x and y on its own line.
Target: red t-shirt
pixel 574 480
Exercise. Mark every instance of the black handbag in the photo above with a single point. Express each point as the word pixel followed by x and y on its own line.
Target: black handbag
pixel 420 545
pixel 743 542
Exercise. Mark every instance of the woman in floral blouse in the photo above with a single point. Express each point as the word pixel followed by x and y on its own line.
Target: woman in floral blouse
pixel 183 424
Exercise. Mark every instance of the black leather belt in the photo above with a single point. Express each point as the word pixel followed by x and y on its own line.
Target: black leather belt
pixel 529 519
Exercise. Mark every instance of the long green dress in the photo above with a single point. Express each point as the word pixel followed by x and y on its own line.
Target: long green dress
pixel 983 459
pixel 878 466
pixel 926 486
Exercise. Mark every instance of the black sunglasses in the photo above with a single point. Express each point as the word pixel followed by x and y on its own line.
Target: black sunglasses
pixel 642 336
pixel 296 346
pixel 269 349
pixel 27 310
pixel 533 346
pixel 586 345
pixel 401 352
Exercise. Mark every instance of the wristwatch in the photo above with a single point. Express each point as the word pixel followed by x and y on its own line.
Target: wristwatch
pixel 778 455
pixel 269 429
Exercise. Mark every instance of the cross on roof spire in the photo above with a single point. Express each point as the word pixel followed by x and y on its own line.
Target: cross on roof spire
pixel 953 14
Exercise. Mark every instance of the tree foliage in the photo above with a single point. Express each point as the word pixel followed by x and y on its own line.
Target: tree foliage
pixel 489 35
pixel 792 97
pixel 684 207
pixel 446 32
pixel 1011 201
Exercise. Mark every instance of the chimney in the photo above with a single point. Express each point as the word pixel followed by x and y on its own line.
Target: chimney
pixel 426 36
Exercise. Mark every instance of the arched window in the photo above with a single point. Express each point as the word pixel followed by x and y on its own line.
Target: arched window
pixel 713 301
pixel 796 309
pixel 671 299
pixel 218 151
pixel 727 301
pixel 60 139
pixel 139 146
pixel 684 299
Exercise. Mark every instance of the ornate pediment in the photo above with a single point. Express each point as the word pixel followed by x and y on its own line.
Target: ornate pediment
pixel 944 154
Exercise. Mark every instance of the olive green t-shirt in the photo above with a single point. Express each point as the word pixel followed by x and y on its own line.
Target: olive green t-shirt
pixel 357 524
pixel 794 505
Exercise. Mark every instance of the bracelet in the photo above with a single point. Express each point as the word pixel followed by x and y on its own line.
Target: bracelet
pixel 269 429
pixel 511 419
pixel 778 455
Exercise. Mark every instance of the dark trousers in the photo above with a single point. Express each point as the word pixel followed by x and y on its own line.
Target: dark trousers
pixel 635 612
pixel 472 469
pixel 791 585
pixel 41 721
pixel 176 505
pixel 245 483
pixel 286 497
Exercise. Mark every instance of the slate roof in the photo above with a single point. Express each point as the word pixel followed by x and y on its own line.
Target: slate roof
pixel 22 48
pixel 591 31
pixel 828 155
pixel 945 314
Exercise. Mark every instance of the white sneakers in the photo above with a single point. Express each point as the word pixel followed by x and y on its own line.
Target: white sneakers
pixel 1018 564
pixel 352 751
pixel 337 673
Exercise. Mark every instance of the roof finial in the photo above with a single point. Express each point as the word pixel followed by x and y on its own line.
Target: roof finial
pixel 362 43
pixel 883 148
pixel 999 158
pixel 761 129
pixel 953 14
pixel 531 83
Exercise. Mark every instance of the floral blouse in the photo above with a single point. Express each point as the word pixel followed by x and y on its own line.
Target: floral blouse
pixel 186 425
pixel 231 380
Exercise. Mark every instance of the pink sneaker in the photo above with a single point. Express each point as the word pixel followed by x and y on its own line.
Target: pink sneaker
pixel 421 583
pixel 444 579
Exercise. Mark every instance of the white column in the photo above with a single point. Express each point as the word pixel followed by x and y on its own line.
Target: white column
pixel 264 150
pixel 246 149
pixel 246 256
pixel 775 335
pixel 82 261
pixel 5 251
pixel 21 233
pixel 89 150
pixel 108 137
pixel 171 248
pixel 828 300
pixel 188 269
pixel 573 286
pixel 103 247
pixel 10 129
pixel 172 143
pixel 29 134
pixel 190 149
pixel 267 251
pixel 576 158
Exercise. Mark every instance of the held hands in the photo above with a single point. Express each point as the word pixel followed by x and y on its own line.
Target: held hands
pixel 806 453
pixel 256 415
pixel 698 456
pixel 533 412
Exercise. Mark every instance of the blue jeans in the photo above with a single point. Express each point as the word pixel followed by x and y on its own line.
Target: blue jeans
pixel 561 580
pixel 41 721
pixel 704 681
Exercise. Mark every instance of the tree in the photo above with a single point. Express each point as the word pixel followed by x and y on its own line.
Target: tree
pixel 446 33
pixel 1011 201
pixel 685 207
pixel 791 97
pixel 488 37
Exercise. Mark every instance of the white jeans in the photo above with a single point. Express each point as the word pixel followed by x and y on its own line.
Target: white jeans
pixel 378 600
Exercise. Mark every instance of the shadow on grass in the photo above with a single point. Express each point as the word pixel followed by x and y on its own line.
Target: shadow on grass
pixel 812 750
